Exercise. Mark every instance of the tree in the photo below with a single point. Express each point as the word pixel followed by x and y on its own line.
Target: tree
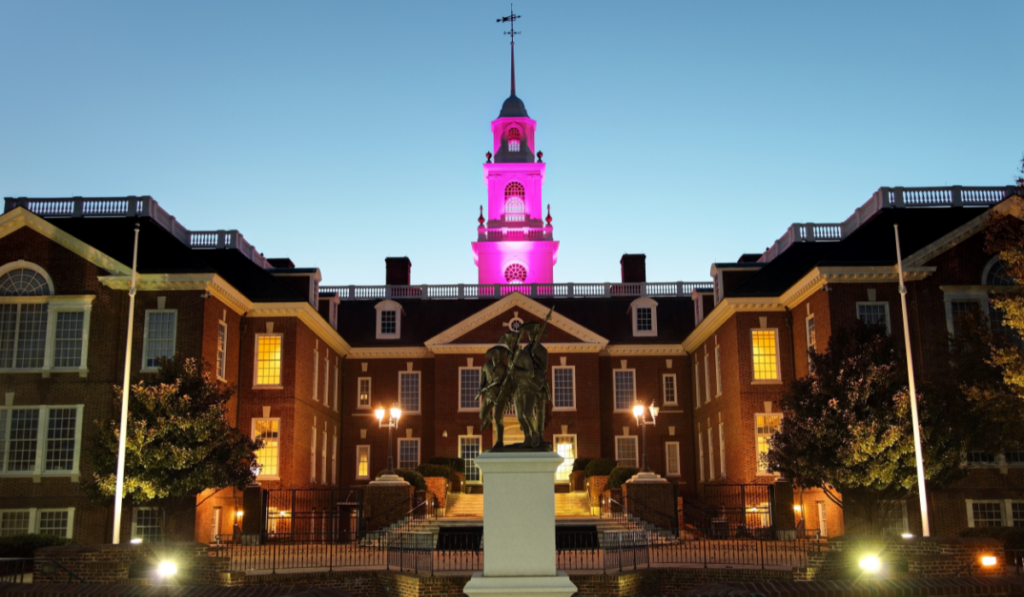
pixel 1005 236
pixel 847 428
pixel 179 441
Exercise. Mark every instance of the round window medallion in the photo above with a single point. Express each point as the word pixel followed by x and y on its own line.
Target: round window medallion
pixel 515 274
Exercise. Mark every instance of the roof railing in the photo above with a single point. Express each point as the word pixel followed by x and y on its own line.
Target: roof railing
pixel 491 291
pixel 889 198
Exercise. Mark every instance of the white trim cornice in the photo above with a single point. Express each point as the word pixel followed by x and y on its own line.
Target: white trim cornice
pixel 643 350
pixel 552 348
pixel 307 315
pixel 515 299
pixel 390 352
pixel 725 309
pixel 820 276
pixel 19 218
pixel 217 286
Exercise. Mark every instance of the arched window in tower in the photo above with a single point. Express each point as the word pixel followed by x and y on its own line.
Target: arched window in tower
pixel 515 204
pixel 515 273
pixel 513 139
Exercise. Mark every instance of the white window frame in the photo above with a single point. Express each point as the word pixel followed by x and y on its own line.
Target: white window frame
pixel 398 451
pixel 970 510
pixel 337 381
pixel 757 455
pixel 707 376
pixel 644 303
pixel 252 433
pixel 969 294
pixel 700 451
pixel 632 400
pixel 575 452
pixel 334 458
pixel 480 443
pixel 572 374
pixel 34 518
pixel 461 407
pixel 419 392
pixel 222 350
pixel 778 358
pixel 39 468
pixel 711 451
pixel 696 383
pixel 323 457
pixel 145 338
pixel 718 370
pixel 672 448
pixel 312 455
pixel 327 378
pixel 901 507
pixel 256 364
pixel 316 375
pixel 135 520
pixel 369 393
pixel 360 449
pixel 380 308
pixel 636 449
pixel 721 448
pixel 885 304
pixel 665 377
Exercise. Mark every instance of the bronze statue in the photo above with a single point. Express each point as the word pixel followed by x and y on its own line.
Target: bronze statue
pixel 517 374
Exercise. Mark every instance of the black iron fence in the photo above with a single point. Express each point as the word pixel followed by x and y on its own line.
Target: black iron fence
pixel 736 506
pixel 28 570
pixel 462 550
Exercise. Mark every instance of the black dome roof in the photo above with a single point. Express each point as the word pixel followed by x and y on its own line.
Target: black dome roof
pixel 513 107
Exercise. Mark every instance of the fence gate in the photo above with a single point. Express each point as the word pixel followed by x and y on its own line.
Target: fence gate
pixel 311 514
pixel 739 508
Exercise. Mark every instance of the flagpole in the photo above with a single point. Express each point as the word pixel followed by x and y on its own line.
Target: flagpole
pixel 119 485
pixel 925 530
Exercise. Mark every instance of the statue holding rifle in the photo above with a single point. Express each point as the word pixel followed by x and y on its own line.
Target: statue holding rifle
pixel 517 374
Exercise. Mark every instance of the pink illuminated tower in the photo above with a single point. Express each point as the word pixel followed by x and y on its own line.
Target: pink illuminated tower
pixel 514 243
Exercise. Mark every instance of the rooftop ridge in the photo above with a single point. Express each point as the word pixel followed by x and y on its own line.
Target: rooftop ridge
pixel 888 198
pixel 137 206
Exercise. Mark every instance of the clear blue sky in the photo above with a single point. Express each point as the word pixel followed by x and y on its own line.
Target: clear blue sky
pixel 341 133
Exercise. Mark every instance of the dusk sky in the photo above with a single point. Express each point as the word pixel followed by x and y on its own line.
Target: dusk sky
pixel 340 133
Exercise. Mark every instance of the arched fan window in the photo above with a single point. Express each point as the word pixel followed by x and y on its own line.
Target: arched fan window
pixel 515 204
pixel 997 276
pixel 513 139
pixel 24 282
pixel 515 273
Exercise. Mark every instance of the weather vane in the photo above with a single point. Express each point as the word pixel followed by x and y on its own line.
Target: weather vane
pixel 511 20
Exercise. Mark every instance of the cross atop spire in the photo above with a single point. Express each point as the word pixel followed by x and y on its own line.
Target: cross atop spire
pixel 511 20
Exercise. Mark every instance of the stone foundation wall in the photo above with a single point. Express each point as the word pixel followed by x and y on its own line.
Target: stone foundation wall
pixel 118 564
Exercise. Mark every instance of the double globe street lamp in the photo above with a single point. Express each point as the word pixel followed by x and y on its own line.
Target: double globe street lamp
pixel 392 423
pixel 640 412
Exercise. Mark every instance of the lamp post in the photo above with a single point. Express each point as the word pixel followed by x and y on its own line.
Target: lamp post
pixel 642 423
pixel 396 414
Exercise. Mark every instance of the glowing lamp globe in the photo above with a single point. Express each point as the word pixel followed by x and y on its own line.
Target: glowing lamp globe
pixel 638 410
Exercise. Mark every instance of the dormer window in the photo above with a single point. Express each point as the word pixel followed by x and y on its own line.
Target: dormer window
pixel 644 312
pixel 513 139
pixel 389 320
pixel 515 204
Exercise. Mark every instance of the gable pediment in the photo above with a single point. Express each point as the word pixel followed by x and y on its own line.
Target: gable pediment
pixel 20 218
pixel 482 329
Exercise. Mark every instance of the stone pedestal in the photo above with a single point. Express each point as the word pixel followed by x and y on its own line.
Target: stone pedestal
pixel 519 527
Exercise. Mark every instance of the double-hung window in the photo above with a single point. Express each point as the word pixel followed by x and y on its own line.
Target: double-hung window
pixel 267 372
pixel 874 313
pixel 469 449
pixel 409 391
pixel 766 424
pixel 58 522
pixel 268 456
pixel 625 388
pixel 222 351
pixel 364 386
pixel 625 450
pixel 765 356
pixel 718 370
pixel 40 440
pixel 469 385
pixel 389 320
pixel 565 446
pixel 159 337
pixel 363 462
pixel 563 388
pixel 707 376
pixel 147 524
pixel 316 375
pixel 672 459
pixel 408 453
pixel 645 317
pixel 668 388
pixel 696 385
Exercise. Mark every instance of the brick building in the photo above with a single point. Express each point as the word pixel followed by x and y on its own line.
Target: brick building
pixel 311 363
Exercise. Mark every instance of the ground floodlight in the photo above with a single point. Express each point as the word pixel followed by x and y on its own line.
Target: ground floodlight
pixel 136 541
pixel 988 561
pixel 166 569
pixel 870 564
pixel 907 535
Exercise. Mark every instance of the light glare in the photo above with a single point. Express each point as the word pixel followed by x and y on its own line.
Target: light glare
pixel 870 564
pixel 988 560
pixel 166 569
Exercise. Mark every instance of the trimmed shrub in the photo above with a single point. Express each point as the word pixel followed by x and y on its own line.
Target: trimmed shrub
pixel 600 467
pixel 1012 537
pixel 580 464
pixel 620 475
pixel 434 470
pixel 456 464
pixel 411 477
pixel 24 546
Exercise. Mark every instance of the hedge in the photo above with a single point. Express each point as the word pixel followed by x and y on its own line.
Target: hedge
pixel 600 467
pixel 580 464
pixel 620 475
pixel 411 477
pixel 434 470
pixel 456 464
pixel 24 546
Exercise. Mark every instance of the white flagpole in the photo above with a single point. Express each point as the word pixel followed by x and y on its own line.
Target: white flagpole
pixel 119 487
pixel 925 530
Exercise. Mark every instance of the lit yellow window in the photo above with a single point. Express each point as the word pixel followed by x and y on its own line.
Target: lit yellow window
pixel 766 425
pixel 268 360
pixel 267 430
pixel 362 462
pixel 763 345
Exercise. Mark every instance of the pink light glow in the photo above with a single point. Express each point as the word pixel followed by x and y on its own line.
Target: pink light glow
pixel 537 256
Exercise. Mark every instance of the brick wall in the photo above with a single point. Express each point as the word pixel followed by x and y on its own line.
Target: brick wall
pixel 920 557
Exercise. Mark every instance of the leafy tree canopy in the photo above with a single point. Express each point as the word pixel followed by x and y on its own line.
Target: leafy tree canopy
pixel 1005 236
pixel 179 441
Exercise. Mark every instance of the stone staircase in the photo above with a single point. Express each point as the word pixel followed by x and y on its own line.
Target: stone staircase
pixel 567 505
pixel 572 505
pixel 513 432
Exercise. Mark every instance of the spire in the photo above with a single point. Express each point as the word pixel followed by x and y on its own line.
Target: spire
pixel 513 106
pixel 513 69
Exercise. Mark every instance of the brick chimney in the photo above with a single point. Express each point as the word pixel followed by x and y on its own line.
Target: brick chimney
pixel 399 271
pixel 634 268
